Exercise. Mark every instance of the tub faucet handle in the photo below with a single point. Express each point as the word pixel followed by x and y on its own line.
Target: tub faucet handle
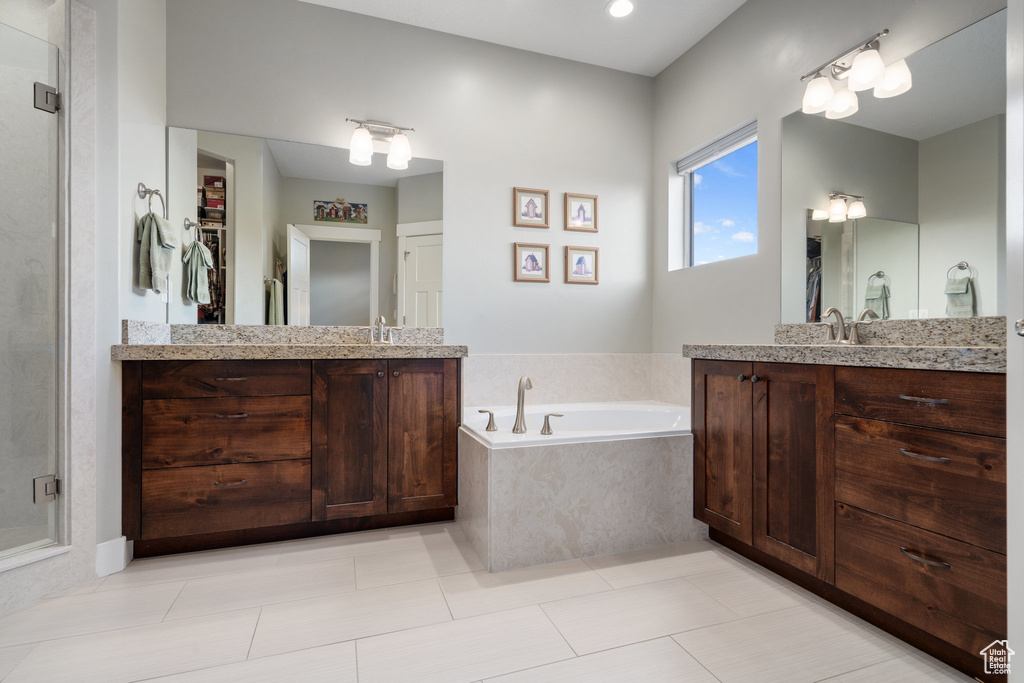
pixel 546 429
pixel 491 427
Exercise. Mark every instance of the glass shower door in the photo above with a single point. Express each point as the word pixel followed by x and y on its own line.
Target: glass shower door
pixel 29 291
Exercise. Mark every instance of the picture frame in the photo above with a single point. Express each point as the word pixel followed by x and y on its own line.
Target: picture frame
pixel 529 208
pixel 581 212
pixel 581 265
pixel 531 262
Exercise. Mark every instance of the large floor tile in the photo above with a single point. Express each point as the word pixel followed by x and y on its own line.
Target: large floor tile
pixel 654 660
pixel 347 616
pixel 440 559
pixel 914 667
pixel 658 564
pixel 463 650
pixel 328 664
pixel 82 589
pixel 134 654
pixel 748 593
pixel 805 643
pixel 89 613
pixel 482 592
pixel 268 586
pixel 339 546
pixel 187 566
pixel 10 657
pixel 630 615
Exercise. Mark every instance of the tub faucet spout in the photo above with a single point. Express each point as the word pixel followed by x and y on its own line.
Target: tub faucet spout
pixel 524 385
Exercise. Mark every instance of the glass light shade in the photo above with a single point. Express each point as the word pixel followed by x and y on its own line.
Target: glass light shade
pixel 837 210
pixel 400 147
pixel 856 210
pixel 819 95
pixel 620 8
pixel 397 163
pixel 843 104
pixel 819 215
pixel 867 70
pixel 895 81
pixel 360 150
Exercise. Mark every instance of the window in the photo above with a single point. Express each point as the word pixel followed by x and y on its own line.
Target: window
pixel 719 208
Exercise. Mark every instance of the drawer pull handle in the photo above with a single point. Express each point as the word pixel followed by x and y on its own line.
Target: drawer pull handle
pixel 237 416
pixel 918 399
pixel 380 373
pixel 395 373
pixel 928 458
pixel 755 379
pixel 231 379
pixel 741 378
pixel 239 482
pixel 924 560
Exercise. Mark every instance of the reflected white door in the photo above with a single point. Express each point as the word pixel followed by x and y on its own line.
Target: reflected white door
pixel 298 276
pixel 422 281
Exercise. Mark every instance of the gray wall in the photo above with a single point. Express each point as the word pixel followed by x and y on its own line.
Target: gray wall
pixel 339 283
pixel 498 118
pixel 749 68
pixel 420 198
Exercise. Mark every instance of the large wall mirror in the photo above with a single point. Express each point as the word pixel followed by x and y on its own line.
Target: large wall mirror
pixel 930 166
pixel 346 242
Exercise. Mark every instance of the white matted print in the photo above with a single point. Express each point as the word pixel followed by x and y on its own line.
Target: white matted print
pixel 530 208
pixel 581 212
pixel 581 265
pixel 531 262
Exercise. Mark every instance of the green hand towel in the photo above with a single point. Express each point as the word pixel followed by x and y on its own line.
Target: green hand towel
pixel 876 297
pixel 157 244
pixel 959 297
pixel 198 260
pixel 275 309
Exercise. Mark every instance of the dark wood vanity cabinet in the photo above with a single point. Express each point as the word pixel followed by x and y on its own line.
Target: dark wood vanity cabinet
pixel 215 451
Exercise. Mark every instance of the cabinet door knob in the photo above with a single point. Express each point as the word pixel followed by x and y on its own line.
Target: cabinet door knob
pixel 742 378
pixel 380 373
pixel 755 379
pixel 395 373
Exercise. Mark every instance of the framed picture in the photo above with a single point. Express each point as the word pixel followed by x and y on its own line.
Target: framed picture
pixel 531 262
pixel 581 265
pixel 581 212
pixel 530 208
pixel 339 211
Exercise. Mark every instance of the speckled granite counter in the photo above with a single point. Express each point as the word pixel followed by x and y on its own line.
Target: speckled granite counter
pixel 282 351
pixel 958 358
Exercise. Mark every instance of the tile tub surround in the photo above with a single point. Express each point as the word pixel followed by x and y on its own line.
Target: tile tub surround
pixel 976 331
pixel 520 507
pixel 956 358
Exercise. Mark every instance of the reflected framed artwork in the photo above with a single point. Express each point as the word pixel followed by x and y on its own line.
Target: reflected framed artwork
pixel 530 208
pixel 581 265
pixel 531 262
pixel 581 212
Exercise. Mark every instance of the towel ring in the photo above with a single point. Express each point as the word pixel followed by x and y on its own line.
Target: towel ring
pixel 145 192
pixel 880 274
pixel 192 224
pixel 963 265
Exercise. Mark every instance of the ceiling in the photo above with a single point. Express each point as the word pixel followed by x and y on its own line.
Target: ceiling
pixel 645 42
pixel 317 162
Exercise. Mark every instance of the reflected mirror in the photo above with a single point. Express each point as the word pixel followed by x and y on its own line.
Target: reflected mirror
pixel 930 166
pixel 300 236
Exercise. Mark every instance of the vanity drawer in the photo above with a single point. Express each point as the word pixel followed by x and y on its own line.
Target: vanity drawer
pixel 207 378
pixel 951 483
pixel 952 590
pixel 963 401
pixel 212 431
pixel 198 500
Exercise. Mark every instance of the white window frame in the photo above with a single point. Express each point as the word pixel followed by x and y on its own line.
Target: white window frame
pixel 685 167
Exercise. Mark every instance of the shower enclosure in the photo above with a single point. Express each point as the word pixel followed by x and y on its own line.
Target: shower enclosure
pixel 31 330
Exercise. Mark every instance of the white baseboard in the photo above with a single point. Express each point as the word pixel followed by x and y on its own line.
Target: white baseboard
pixel 111 556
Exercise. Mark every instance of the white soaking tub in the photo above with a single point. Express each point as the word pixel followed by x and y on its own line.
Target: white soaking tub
pixel 612 477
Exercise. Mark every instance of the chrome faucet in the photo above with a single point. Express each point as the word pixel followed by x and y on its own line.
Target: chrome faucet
pixel 524 385
pixel 840 329
pixel 385 335
pixel 855 325
pixel 381 330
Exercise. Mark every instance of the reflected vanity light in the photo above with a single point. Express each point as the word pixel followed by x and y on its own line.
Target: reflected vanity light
pixel 366 132
pixel 838 210
pixel 859 68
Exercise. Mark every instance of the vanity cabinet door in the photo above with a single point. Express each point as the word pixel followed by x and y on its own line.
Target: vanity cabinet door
pixel 722 446
pixel 793 456
pixel 422 434
pixel 350 438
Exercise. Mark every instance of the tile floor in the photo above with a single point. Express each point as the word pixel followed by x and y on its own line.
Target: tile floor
pixel 414 604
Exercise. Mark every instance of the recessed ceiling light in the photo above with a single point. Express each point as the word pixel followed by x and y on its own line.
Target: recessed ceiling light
pixel 620 8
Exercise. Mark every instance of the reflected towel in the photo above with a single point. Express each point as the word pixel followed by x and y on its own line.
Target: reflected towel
pixel 275 308
pixel 157 243
pixel 876 297
pixel 198 260
pixel 959 297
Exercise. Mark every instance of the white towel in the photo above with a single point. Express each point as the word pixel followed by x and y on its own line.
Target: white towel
pixel 157 243
pixel 275 309
pixel 198 260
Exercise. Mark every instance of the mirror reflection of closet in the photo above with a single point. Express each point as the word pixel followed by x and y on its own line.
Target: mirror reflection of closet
pixel 215 224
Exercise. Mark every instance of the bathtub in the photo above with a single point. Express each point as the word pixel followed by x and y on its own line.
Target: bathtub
pixel 581 422
pixel 613 477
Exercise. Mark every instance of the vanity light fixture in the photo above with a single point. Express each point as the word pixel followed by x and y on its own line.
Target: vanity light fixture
pixel 361 148
pixel 839 211
pixel 859 68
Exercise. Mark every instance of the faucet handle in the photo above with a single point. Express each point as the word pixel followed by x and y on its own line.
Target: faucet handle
pixel 369 334
pixel 546 429
pixel 830 331
pixel 491 427
pixel 391 335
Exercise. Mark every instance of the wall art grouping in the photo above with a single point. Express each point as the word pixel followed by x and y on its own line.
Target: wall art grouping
pixel 532 262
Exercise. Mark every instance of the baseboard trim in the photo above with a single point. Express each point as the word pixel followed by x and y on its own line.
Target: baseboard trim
pixel 111 556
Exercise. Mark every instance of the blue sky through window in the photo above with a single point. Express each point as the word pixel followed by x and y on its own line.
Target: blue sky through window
pixel 725 207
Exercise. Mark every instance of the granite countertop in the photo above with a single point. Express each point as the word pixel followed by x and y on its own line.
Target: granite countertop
pixel 956 358
pixel 282 351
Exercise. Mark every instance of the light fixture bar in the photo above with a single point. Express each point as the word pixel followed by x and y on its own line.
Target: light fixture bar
pixel 834 195
pixel 859 46
pixel 380 128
